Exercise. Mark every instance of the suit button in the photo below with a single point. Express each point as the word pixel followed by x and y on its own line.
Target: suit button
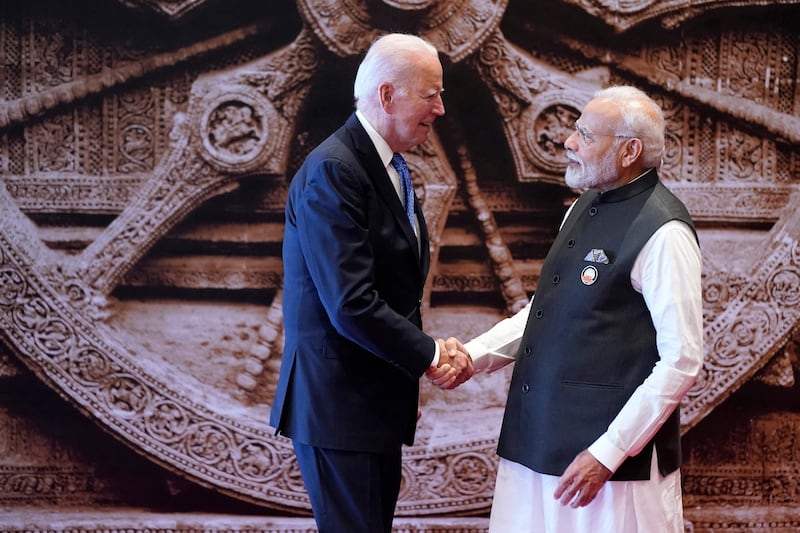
pixel 592 211
pixel 526 387
pixel 556 279
pixel 528 351
pixel 539 313
pixel 571 243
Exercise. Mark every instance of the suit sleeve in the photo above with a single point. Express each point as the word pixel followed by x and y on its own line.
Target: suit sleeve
pixel 332 217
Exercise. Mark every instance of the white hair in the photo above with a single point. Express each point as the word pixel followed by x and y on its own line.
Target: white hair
pixel 641 117
pixel 389 59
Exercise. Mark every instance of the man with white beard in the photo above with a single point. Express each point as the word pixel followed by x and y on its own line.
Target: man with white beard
pixel 607 347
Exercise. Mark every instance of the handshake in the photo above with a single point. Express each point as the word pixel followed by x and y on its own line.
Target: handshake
pixel 455 365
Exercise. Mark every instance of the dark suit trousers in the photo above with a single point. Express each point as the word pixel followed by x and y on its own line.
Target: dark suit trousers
pixel 352 492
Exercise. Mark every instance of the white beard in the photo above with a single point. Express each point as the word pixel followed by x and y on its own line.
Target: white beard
pixel 591 176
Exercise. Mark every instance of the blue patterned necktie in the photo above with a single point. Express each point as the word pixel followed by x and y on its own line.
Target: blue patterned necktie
pixel 406 187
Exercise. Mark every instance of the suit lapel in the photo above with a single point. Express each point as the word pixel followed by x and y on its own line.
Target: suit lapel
pixel 383 184
pixel 424 244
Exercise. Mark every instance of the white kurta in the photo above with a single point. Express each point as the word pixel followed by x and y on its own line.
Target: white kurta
pixel 667 274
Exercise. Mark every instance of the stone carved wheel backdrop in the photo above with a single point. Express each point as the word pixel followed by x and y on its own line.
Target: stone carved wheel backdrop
pixel 140 273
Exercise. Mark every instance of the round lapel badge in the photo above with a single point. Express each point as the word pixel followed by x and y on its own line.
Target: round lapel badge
pixel 589 275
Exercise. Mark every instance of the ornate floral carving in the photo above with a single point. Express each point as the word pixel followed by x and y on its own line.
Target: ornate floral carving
pixel 235 128
pixel 752 327
pixel 456 28
pixel 52 95
pixel 538 106
pixel 622 15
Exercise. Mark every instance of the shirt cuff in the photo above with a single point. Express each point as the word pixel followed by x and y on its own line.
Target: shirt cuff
pixel 477 351
pixel 485 361
pixel 435 360
pixel 609 455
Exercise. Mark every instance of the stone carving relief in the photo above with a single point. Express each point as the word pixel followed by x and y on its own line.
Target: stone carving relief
pixel 624 14
pixel 456 28
pixel 187 139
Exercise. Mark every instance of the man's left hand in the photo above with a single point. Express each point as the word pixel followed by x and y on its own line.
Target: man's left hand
pixel 581 481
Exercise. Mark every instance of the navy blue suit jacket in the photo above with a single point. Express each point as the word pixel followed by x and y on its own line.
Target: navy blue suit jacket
pixel 353 281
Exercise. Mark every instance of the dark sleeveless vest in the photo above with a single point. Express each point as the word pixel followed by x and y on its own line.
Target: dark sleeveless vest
pixel 589 341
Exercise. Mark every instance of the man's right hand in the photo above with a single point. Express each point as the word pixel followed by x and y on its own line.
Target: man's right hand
pixel 455 365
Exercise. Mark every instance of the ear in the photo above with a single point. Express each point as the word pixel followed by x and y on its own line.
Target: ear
pixel 631 151
pixel 386 95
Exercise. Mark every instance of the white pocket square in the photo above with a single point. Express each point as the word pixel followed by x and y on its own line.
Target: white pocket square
pixel 597 255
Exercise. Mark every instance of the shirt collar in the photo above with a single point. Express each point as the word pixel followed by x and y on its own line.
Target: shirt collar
pixel 643 182
pixel 384 152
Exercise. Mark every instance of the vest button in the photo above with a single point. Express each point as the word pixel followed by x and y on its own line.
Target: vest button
pixel 556 279
pixel 571 243
pixel 592 211
pixel 526 387
pixel 539 313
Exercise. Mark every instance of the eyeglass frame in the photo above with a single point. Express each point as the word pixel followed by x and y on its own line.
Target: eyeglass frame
pixel 588 136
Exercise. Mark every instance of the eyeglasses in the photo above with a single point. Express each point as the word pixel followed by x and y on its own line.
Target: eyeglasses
pixel 588 136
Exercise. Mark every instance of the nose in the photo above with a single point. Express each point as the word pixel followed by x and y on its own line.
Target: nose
pixel 571 142
pixel 438 107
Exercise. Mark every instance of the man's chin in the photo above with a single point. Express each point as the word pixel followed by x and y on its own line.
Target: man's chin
pixel 572 179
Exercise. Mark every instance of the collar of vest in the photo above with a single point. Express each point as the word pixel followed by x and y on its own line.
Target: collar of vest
pixel 646 182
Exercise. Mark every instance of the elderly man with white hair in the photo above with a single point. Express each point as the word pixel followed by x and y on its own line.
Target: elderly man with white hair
pixel 607 347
